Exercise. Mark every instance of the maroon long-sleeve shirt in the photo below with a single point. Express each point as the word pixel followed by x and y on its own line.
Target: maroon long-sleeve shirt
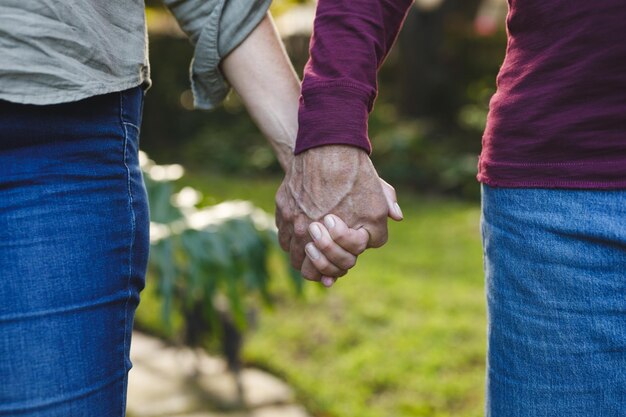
pixel 351 39
pixel 557 120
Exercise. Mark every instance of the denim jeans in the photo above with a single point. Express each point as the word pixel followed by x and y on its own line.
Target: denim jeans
pixel 73 253
pixel 555 264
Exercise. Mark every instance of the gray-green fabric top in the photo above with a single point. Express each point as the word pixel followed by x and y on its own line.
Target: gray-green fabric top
pixel 56 51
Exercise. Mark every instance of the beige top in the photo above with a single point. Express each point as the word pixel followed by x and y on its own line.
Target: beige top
pixel 55 51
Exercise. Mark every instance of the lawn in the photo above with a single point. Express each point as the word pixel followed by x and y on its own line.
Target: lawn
pixel 401 335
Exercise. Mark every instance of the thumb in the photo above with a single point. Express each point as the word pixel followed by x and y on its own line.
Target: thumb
pixel 392 201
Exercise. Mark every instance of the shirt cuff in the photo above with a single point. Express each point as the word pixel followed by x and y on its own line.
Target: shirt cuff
pixel 333 115
pixel 226 27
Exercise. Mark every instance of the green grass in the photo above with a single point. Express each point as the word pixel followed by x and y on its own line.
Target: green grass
pixel 401 335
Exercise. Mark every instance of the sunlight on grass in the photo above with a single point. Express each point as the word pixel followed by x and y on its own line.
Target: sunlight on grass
pixel 401 335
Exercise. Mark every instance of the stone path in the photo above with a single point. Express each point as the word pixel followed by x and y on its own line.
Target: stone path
pixel 169 381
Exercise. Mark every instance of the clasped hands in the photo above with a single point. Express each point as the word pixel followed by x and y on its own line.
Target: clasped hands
pixel 331 206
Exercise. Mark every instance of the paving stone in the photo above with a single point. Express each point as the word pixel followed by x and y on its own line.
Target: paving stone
pixel 261 388
pixel 170 381
pixel 153 393
pixel 150 352
pixel 174 404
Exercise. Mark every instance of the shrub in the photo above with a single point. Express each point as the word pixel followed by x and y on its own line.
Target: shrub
pixel 207 262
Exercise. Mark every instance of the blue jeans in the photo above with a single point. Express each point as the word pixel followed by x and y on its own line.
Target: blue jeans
pixel 73 253
pixel 555 264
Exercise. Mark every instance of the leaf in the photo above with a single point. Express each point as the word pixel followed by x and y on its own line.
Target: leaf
pixel 197 266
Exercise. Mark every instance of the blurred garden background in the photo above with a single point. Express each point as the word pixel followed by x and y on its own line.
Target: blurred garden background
pixel 403 334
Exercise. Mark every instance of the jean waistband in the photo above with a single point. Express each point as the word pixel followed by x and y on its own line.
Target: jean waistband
pixel 27 124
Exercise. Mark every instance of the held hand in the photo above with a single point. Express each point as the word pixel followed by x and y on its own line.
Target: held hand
pixel 338 179
pixel 335 249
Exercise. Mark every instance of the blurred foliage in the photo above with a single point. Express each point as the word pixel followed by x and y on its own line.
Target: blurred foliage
pixel 435 88
pixel 207 262
pixel 282 6
pixel 224 140
pixel 402 335
pixel 426 127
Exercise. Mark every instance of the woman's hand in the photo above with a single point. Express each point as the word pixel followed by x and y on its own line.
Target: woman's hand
pixel 336 247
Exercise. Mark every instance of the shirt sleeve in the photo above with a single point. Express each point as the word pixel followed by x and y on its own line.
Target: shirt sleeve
pixel 351 39
pixel 215 27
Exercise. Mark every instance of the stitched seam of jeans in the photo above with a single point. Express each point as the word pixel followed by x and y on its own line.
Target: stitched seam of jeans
pixel 131 124
pixel 130 254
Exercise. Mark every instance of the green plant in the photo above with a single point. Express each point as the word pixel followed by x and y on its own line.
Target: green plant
pixel 402 335
pixel 208 261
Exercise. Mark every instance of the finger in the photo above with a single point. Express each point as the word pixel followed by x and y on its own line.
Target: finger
pixel 279 211
pixel 378 234
pixel 320 262
pixel 392 201
pixel 284 232
pixel 328 281
pixel 284 238
pixel 278 218
pixel 352 240
pixel 338 256
pixel 296 255
pixel 309 271
pixel 299 238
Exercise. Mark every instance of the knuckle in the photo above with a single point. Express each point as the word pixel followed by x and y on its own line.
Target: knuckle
pixel 340 235
pixel 310 275
pixel 285 215
pixel 283 239
pixel 349 243
pixel 308 271
pixel 282 215
pixel 322 265
pixel 280 199
pixel 329 273
pixel 380 241
pixel 327 268
pixel 330 270
pixel 300 229
pixel 324 244
pixel 279 224
pixel 348 263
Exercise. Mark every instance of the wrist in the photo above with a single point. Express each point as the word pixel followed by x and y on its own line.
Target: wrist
pixel 338 163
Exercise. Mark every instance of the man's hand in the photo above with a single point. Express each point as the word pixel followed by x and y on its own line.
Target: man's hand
pixel 333 179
